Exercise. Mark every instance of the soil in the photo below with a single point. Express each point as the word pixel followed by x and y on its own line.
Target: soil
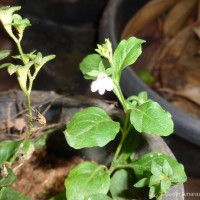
pixel 44 174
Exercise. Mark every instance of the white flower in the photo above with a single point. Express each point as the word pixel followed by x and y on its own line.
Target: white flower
pixel 102 83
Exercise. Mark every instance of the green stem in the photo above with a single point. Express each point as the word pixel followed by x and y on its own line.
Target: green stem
pixel 124 132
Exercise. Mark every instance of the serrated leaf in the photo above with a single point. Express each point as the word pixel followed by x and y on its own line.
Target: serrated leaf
pixel 7 149
pixel 85 180
pixel 151 118
pixel 127 53
pixel 7 180
pixel 91 127
pixel 7 193
pixel 98 197
pixel 4 54
pixel 121 185
pixel 90 63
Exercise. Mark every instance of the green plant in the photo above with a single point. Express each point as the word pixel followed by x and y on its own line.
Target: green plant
pixel 93 127
pixel 26 72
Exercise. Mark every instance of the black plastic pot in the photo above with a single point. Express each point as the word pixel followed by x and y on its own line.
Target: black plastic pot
pixel 61 111
pixel 114 19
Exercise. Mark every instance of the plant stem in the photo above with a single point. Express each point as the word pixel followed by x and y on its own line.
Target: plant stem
pixel 124 132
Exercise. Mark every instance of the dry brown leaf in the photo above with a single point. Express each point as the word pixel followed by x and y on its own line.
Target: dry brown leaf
pixel 147 14
pixel 177 16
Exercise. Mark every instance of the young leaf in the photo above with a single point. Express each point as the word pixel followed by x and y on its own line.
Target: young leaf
pixel 127 53
pixel 151 118
pixel 7 180
pixel 85 180
pixel 7 149
pixel 7 193
pixel 141 183
pixel 121 185
pixel 4 54
pixel 98 197
pixel 91 127
pixel 19 23
pixel 90 64
pixel 144 164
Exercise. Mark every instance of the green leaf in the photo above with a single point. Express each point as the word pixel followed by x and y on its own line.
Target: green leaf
pixel 6 14
pixel 98 197
pixel 127 53
pixel 165 186
pixel 47 59
pixel 7 149
pixel 7 180
pixel 167 170
pixel 156 169
pixel 151 118
pixel 4 54
pixel 89 64
pixel 14 68
pixel 7 193
pixel 91 127
pixel 19 23
pixel 121 185
pixel 144 165
pixel 85 180
pixel 141 183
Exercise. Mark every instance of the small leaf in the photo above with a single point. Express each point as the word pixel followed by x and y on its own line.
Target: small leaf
pixel 167 170
pixel 19 23
pixel 151 118
pixel 90 63
pixel 91 127
pixel 4 54
pixel 7 193
pixel 152 192
pixel 143 165
pixel 156 169
pixel 121 185
pixel 141 183
pixel 154 180
pixel 13 68
pixel 127 53
pixel 98 197
pixel 7 149
pixel 165 186
pixel 9 179
pixel 47 59
pixel 85 180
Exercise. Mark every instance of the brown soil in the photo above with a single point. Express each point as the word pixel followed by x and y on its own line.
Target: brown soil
pixel 43 175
